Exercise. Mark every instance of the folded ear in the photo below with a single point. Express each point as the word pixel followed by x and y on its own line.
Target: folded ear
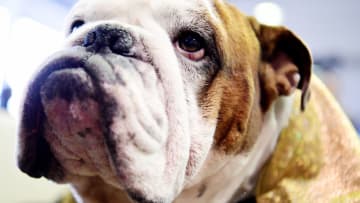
pixel 286 63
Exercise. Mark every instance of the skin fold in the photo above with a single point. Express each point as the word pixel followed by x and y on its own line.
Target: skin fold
pixel 126 113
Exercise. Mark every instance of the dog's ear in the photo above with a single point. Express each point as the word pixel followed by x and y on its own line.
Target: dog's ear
pixel 286 63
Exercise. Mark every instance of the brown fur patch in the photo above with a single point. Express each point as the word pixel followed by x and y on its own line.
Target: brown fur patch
pixel 233 97
pixel 94 189
pixel 202 191
pixel 279 46
pixel 257 66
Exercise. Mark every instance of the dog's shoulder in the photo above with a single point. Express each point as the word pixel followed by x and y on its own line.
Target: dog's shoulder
pixel 317 156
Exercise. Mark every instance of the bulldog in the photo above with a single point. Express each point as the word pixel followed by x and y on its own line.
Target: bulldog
pixel 183 101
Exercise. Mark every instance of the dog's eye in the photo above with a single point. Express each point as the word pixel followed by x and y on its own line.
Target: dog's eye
pixel 191 45
pixel 76 25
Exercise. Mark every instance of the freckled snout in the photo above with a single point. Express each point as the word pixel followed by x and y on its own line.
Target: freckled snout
pixel 97 106
pixel 109 107
pixel 75 82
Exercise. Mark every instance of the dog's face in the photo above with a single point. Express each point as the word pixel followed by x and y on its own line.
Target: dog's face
pixel 145 91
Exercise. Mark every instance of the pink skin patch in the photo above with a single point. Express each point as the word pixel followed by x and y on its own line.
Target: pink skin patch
pixel 73 130
pixel 73 126
pixel 194 56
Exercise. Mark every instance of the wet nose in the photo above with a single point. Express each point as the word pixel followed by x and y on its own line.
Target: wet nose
pixel 118 40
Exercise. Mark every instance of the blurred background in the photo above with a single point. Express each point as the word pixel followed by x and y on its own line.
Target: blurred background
pixel 30 30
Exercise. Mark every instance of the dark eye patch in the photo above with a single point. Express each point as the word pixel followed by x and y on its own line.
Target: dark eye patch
pixel 76 25
pixel 191 41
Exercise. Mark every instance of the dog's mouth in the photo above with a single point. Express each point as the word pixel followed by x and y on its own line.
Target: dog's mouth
pixel 78 113
pixel 94 125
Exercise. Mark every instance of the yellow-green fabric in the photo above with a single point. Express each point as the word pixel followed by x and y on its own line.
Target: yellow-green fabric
pixel 296 160
pixel 293 170
pixel 67 199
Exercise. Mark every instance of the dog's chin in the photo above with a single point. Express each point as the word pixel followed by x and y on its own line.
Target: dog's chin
pixel 98 124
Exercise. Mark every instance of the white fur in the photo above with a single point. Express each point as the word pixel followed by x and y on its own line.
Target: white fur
pixel 180 155
pixel 159 167
pixel 223 175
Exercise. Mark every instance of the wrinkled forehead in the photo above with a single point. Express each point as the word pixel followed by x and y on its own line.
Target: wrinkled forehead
pixel 131 10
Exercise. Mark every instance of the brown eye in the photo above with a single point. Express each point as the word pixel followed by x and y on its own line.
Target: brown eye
pixel 191 45
pixel 191 42
pixel 76 25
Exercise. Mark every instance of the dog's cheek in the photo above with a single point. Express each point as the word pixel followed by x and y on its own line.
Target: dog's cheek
pixel 34 155
pixel 78 144
pixel 201 142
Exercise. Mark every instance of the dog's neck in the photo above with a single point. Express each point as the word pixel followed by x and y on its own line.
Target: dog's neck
pixel 235 176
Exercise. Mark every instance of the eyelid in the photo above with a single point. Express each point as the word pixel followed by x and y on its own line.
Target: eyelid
pixel 191 55
pixel 194 56
pixel 76 24
pixel 184 30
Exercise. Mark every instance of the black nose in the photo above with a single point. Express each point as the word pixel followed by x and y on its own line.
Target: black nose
pixel 118 40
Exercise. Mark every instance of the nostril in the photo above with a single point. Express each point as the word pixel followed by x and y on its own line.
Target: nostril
pixel 121 42
pixel 106 37
pixel 90 39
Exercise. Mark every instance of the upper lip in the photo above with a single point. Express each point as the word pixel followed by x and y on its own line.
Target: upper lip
pixel 33 116
pixel 77 57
